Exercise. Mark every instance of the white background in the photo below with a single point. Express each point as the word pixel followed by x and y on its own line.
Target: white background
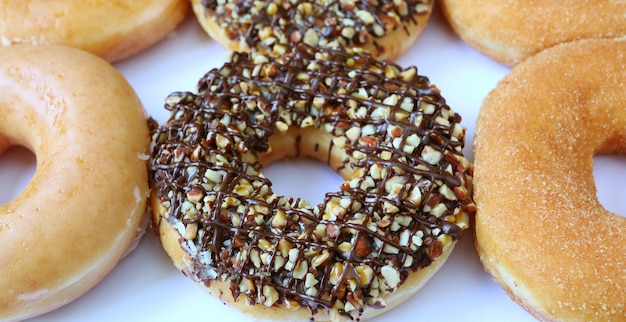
pixel 145 286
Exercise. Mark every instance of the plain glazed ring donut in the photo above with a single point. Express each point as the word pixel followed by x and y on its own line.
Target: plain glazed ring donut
pixel 86 201
pixel 384 28
pixel 540 229
pixel 511 31
pixel 113 30
pixel 405 201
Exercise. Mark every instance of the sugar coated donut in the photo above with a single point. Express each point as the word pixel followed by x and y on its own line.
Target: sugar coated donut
pixel 405 201
pixel 112 30
pixel 86 201
pixel 384 28
pixel 540 229
pixel 511 31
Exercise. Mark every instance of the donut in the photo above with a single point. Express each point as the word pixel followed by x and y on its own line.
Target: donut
pixel 113 30
pixel 384 28
pixel 86 202
pixel 540 229
pixel 374 242
pixel 511 31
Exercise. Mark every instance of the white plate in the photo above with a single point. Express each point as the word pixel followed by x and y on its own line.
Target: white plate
pixel 145 286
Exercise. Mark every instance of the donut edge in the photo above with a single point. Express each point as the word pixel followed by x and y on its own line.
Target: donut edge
pixel 500 271
pixel 393 45
pixel 170 240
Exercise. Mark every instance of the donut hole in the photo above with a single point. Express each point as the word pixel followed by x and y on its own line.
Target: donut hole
pixel 17 167
pixel 304 178
pixel 609 172
pixel 301 164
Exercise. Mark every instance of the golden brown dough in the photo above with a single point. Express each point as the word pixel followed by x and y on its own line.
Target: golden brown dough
pixel 368 246
pixel 113 30
pixel 540 229
pixel 85 203
pixel 511 31
pixel 384 28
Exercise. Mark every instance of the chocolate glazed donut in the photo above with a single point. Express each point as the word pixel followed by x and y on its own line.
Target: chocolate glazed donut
pixel 405 201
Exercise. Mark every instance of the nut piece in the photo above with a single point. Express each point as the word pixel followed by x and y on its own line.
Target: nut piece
pixel 270 294
pixel 191 231
pixel 391 275
pixel 362 247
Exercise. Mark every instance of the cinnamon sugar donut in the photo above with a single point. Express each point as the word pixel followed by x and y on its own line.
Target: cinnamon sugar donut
pixel 113 30
pixel 511 31
pixel 384 28
pixel 540 229
pixel 405 201
pixel 85 204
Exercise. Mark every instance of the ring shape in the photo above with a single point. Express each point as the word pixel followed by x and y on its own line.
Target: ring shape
pixel 405 201
pixel 85 203
pixel 511 31
pixel 540 229
pixel 384 28
pixel 113 30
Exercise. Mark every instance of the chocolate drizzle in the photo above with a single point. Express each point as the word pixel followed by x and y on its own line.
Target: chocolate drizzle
pixel 334 24
pixel 407 197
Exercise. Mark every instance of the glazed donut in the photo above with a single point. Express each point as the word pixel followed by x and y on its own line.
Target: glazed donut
pixel 511 31
pixel 405 201
pixel 540 229
pixel 85 204
pixel 113 30
pixel 384 28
